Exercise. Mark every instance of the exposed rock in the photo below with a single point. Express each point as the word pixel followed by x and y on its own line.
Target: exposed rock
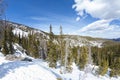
pixel 27 59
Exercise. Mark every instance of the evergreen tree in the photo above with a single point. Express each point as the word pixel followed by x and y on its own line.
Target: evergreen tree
pixel 35 51
pixel 103 68
pixel 5 45
pixel 10 41
pixel 83 58
pixel 52 55
pixel 31 45
pixel 75 51
pixel 69 60
pixel 78 54
pixel 115 68
pixel 62 46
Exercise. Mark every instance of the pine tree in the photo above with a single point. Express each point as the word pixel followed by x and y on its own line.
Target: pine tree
pixel 83 58
pixel 52 55
pixel 62 46
pixel 103 68
pixel 70 60
pixel 35 47
pixel 31 45
pixel 78 54
pixel 10 41
pixel 5 45
pixel 75 51
pixel 115 68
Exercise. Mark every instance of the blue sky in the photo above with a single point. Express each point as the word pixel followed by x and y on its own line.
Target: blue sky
pixel 95 18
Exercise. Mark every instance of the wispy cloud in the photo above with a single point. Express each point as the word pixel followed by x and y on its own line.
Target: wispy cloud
pixel 41 18
pixel 78 18
pixel 54 18
pixel 100 28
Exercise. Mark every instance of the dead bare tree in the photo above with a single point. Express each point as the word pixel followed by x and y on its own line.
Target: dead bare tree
pixel 3 6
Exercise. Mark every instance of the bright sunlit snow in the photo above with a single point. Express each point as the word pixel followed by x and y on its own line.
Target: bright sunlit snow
pixel 18 31
pixel 39 70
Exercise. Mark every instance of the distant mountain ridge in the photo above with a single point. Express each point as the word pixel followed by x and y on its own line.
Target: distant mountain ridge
pixel 117 39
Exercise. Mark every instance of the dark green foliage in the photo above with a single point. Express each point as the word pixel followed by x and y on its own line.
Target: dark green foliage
pixel 35 51
pixel 5 48
pixel 52 56
pixel 32 45
pixel 115 67
pixel 52 51
pixel 10 40
pixel 103 68
pixel 70 61
pixel 83 58
pixel 75 54
pixel 5 45
pixel 107 57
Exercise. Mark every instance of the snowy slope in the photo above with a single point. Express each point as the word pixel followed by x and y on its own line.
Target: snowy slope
pixel 21 70
pixel 39 70
pixel 17 69
pixel 83 41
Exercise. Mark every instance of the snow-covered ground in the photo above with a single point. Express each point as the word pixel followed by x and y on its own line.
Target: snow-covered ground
pixel 23 70
pixel 39 70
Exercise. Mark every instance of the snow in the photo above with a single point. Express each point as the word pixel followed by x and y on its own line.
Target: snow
pixel 1 55
pixel 18 31
pixel 22 70
pixel 79 41
pixel 96 43
pixel 19 51
pixel 2 58
pixel 39 70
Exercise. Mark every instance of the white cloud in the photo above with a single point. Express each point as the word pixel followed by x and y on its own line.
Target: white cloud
pixel 102 9
pixel 40 18
pixel 78 19
pixel 100 28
